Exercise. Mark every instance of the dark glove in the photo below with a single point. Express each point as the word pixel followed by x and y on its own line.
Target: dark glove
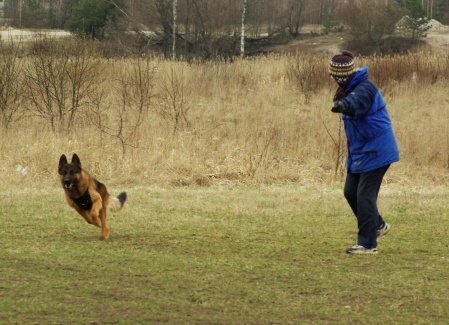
pixel 338 107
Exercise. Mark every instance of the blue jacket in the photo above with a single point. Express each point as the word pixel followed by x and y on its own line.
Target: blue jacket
pixel 371 141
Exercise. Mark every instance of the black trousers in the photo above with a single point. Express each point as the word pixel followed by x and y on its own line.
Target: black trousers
pixel 361 192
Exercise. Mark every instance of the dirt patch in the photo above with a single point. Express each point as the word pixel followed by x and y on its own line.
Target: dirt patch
pixel 27 35
pixel 438 40
pixel 322 44
pixel 313 39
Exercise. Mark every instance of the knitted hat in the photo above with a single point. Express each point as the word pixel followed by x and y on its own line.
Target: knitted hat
pixel 342 65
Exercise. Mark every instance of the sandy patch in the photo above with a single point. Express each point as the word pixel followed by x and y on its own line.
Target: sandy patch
pixel 26 35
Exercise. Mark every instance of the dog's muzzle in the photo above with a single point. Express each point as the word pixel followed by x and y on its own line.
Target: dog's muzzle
pixel 68 184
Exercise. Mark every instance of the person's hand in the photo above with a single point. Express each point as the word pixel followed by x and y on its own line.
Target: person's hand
pixel 338 107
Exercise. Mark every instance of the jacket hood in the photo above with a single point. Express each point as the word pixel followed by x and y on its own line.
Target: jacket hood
pixel 360 75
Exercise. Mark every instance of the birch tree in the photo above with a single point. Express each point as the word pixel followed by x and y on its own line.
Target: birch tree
pixel 175 16
pixel 242 39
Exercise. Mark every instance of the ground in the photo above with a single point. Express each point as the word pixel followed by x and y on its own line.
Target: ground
pixel 313 39
pixel 438 40
pixel 25 34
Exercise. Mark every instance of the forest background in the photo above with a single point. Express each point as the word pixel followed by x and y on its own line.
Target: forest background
pixel 213 29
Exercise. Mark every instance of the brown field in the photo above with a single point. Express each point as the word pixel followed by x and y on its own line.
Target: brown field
pixel 258 120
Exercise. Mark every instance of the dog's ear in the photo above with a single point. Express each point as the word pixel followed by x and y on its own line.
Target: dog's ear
pixel 62 161
pixel 76 160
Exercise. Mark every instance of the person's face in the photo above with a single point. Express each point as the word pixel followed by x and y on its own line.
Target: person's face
pixel 340 84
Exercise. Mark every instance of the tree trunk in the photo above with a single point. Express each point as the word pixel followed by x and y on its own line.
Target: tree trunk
pixel 175 16
pixel 242 39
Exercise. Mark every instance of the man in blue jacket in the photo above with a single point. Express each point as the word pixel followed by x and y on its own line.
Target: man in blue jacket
pixel 371 147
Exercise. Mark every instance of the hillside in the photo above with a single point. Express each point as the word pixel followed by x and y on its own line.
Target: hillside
pixel 312 39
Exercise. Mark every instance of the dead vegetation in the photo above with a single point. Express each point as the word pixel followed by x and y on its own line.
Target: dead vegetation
pixel 260 120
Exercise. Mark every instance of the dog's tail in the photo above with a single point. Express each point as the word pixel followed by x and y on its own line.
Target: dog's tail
pixel 116 203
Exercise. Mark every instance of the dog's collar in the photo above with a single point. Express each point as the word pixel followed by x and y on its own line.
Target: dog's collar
pixel 84 202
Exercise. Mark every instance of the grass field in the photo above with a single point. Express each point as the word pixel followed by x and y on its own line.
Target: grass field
pixel 234 173
pixel 222 255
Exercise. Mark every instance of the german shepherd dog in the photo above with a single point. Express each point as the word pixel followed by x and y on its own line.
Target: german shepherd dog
pixel 86 195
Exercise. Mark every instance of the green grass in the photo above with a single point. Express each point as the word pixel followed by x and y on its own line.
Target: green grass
pixel 222 255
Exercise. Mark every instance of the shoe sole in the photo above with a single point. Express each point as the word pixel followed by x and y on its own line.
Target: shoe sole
pixel 360 252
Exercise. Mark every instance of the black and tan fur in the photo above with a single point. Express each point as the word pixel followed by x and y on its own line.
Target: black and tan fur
pixel 86 195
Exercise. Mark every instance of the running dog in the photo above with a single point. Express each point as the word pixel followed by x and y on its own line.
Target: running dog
pixel 86 195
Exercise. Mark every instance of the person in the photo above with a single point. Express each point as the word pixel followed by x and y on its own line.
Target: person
pixel 371 146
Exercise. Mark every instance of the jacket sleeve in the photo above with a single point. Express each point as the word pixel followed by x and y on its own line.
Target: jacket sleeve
pixel 359 101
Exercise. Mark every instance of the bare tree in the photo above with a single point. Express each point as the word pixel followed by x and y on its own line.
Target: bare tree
pixel 163 27
pixel 174 105
pixel 122 120
pixel 58 78
pixel 175 16
pixel 11 82
pixel 303 71
pixel 370 21
pixel 242 35
pixel 295 10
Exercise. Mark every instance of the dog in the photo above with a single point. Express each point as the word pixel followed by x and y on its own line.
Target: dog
pixel 88 196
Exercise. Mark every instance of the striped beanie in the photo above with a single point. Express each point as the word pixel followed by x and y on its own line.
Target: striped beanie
pixel 342 65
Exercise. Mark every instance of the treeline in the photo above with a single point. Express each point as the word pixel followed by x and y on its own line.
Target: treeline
pixel 214 28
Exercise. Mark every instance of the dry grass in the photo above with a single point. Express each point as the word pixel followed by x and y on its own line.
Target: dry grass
pixel 246 121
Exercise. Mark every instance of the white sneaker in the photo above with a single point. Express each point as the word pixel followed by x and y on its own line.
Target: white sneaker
pixel 358 249
pixel 383 230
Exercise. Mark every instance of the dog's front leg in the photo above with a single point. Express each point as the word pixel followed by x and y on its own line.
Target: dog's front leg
pixel 105 229
pixel 95 212
pixel 98 214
